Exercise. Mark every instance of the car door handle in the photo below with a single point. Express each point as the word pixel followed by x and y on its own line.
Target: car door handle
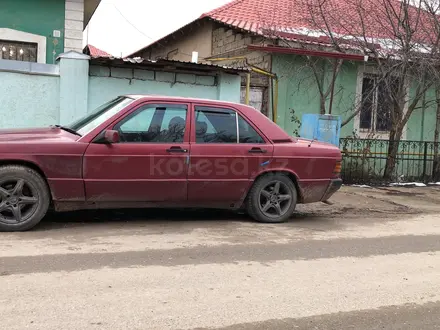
pixel 176 149
pixel 256 150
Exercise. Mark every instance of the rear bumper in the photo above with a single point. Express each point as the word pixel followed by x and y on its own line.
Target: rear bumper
pixel 334 186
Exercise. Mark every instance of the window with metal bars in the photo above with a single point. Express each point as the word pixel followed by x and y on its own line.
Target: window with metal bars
pixel 377 103
pixel 18 51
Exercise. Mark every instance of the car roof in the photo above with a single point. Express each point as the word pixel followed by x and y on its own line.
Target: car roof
pixel 272 131
pixel 178 98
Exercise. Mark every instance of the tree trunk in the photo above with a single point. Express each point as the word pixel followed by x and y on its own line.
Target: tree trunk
pixel 393 149
pixel 322 109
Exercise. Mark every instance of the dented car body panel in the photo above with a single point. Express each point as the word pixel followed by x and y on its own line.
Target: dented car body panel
pixel 82 171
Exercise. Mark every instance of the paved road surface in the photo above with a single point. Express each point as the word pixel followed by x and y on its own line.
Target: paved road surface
pixel 342 271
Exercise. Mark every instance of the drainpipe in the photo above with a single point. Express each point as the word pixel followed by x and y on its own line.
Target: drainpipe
pixel 274 90
pixel 255 69
pixel 248 87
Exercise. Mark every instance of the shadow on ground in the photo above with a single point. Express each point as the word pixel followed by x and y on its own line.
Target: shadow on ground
pixel 350 205
pixel 155 217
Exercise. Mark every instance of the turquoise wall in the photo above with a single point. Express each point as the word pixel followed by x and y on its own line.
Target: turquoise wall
pixel 45 94
pixel 28 100
pixel 105 84
pixel 298 91
pixel 38 17
pixel 421 125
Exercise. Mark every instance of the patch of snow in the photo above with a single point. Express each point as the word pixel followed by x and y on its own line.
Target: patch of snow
pixel 413 184
pixel 434 183
pixel 361 186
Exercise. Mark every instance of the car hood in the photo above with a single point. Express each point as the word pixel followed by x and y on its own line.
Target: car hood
pixel 35 134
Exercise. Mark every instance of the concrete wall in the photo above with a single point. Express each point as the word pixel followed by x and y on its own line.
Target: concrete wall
pixel 225 40
pixel 40 18
pixel 34 94
pixel 106 83
pixel 233 43
pixel 180 46
pixel 29 95
pixel 215 40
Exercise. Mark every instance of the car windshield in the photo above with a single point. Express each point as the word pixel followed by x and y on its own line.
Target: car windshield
pixel 92 120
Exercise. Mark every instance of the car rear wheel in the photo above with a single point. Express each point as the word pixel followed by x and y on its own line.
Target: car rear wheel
pixel 272 198
pixel 24 198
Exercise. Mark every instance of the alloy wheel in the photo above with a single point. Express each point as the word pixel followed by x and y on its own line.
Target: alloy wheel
pixel 18 201
pixel 275 199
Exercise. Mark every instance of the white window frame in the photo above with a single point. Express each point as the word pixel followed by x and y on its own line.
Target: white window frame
pixel 20 36
pixel 362 71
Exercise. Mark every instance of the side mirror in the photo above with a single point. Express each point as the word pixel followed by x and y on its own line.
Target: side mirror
pixel 111 136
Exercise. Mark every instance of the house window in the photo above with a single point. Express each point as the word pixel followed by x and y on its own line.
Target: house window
pixel 18 51
pixel 377 104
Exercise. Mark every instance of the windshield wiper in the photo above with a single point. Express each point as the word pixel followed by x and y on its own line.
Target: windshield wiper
pixel 67 129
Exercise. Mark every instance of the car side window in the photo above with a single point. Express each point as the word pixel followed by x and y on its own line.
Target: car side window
pixel 154 123
pixel 215 125
pixel 247 134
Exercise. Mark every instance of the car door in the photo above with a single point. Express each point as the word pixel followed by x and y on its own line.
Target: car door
pixel 227 152
pixel 149 164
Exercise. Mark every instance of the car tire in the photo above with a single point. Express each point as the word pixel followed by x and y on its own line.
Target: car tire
pixel 32 200
pixel 256 202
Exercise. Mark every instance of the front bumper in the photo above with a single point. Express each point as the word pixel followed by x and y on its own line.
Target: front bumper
pixel 334 186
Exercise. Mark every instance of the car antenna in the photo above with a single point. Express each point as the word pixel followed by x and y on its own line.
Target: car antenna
pixel 313 140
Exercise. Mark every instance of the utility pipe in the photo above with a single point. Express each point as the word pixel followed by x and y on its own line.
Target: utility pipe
pixel 248 87
pixel 248 80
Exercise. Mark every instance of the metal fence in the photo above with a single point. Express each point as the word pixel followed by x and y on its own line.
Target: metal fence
pixel 364 161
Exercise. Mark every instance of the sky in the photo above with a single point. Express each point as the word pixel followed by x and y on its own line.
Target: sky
pixel 121 27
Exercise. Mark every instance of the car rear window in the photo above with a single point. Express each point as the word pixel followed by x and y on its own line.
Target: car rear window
pixel 218 125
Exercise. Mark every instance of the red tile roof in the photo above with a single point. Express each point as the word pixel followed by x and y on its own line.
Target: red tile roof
pixel 297 19
pixel 251 15
pixel 95 52
pixel 343 16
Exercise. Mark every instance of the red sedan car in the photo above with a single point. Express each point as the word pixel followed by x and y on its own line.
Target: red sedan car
pixel 148 151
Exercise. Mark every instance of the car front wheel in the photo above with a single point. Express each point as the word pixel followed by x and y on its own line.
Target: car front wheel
pixel 272 198
pixel 24 198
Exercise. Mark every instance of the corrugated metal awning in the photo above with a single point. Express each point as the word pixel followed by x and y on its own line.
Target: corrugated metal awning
pixel 165 65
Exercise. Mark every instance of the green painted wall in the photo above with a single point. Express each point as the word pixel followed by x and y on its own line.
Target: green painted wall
pixel 298 91
pixel 421 126
pixel 38 17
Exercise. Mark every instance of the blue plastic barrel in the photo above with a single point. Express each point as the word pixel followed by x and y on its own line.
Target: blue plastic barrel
pixel 325 128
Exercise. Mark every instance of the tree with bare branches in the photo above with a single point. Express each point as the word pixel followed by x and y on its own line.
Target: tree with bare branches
pixel 399 39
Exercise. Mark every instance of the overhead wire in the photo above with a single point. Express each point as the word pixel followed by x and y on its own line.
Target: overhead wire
pixel 140 31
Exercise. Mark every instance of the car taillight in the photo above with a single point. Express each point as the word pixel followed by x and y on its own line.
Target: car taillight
pixel 337 169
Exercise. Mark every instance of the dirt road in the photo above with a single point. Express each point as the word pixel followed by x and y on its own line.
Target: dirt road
pixel 370 261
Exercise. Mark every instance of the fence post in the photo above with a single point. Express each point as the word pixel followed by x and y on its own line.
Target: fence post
pixel 425 160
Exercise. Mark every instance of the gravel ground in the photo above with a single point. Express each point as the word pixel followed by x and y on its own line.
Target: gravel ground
pixel 369 261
